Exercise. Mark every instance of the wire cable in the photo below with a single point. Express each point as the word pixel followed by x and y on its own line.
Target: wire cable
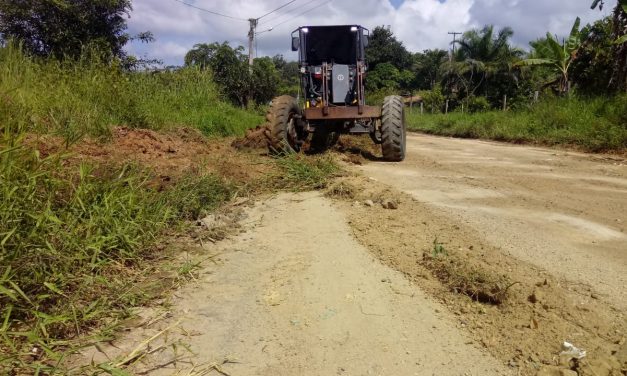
pixel 300 14
pixel 280 16
pixel 272 11
pixel 211 12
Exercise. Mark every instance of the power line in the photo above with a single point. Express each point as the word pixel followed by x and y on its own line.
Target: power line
pixel 300 14
pixel 210 11
pixel 281 7
pixel 288 12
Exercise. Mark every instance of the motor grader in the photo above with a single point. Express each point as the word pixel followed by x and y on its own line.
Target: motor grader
pixel 332 100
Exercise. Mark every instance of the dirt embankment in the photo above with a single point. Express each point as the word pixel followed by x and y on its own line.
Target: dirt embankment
pixel 167 156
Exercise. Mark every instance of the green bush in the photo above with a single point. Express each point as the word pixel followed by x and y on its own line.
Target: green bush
pixel 593 124
pixel 433 100
pixel 477 104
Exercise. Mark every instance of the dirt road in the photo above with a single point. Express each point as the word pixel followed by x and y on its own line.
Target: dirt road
pixel 565 212
pixel 286 300
pixel 339 283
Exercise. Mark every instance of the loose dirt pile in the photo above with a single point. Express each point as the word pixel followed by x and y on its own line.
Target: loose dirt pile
pixel 168 155
pixel 520 313
pixel 355 149
pixel 256 138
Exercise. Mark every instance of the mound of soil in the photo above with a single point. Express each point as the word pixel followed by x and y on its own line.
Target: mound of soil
pixel 169 155
pixel 256 138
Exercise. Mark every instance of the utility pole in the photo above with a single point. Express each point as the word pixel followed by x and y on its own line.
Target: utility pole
pixel 455 34
pixel 251 39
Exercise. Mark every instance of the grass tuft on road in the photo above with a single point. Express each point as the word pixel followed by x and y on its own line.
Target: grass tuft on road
pixel 595 124
pixel 299 172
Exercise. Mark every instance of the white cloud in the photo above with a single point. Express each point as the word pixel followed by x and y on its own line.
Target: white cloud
pixel 420 24
pixel 424 24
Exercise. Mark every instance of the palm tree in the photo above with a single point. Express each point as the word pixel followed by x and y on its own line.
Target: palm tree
pixel 549 52
pixel 481 58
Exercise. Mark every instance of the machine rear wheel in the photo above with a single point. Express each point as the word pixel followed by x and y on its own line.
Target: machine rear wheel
pixel 393 139
pixel 286 136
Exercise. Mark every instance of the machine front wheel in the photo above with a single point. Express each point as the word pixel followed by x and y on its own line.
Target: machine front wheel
pixel 393 137
pixel 283 118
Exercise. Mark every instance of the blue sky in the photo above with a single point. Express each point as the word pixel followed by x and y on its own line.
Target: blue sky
pixel 419 24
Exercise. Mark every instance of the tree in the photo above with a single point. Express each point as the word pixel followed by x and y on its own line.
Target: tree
pixel 385 48
pixel 231 72
pixel 618 80
pixel 592 70
pixel 559 57
pixel 384 76
pixel 427 68
pixel 229 67
pixel 289 75
pixel 483 64
pixel 65 28
pixel 264 80
pixel 200 55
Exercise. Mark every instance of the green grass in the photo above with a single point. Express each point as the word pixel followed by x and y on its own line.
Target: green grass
pixel 298 172
pixel 78 245
pixel 73 99
pixel 595 124
pixel 73 242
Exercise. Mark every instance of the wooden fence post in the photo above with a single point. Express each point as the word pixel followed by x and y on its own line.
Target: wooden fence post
pixel 422 108
pixel 505 102
pixel 446 108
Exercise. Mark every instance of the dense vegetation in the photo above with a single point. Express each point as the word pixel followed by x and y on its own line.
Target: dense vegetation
pixel 243 84
pixel 73 240
pixel 596 124
pixel 562 91
pixel 79 242
pixel 87 97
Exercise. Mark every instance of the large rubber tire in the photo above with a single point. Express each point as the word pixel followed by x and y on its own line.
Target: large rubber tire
pixel 285 137
pixel 393 129
pixel 322 140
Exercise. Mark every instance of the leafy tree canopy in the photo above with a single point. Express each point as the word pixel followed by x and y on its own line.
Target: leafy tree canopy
pixel 427 67
pixel 65 28
pixel 558 56
pixel 232 73
pixel 385 48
